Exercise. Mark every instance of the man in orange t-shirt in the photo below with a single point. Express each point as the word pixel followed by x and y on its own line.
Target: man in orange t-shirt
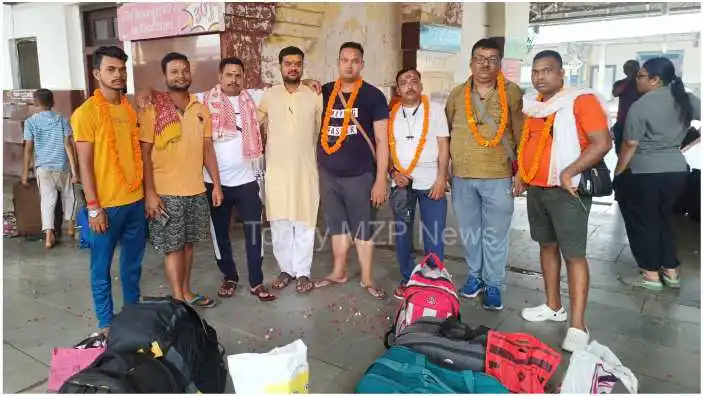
pixel 550 168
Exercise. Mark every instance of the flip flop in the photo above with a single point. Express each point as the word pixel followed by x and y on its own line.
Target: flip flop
pixel 327 282
pixel 200 301
pixel 374 291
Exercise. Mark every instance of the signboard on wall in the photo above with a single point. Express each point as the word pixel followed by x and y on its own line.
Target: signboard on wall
pixel 440 38
pixel 511 70
pixel 429 61
pixel 141 21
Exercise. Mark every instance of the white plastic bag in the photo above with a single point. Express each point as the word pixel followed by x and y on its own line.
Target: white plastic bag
pixel 595 370
pixel 281 370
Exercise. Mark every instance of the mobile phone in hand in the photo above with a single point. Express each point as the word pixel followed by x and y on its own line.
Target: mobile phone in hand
pixel 163 218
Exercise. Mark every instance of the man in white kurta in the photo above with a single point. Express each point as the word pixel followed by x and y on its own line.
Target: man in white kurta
pixel 292 114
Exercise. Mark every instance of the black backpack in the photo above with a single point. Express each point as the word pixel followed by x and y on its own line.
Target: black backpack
pixel 119 372
pixel 172 329
pixel 446 342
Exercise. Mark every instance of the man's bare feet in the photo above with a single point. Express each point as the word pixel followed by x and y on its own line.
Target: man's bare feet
pixel 331 280
pixel 374 291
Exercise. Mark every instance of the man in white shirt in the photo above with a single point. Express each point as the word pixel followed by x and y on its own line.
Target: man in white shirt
pixel 419 148
pixel 238 147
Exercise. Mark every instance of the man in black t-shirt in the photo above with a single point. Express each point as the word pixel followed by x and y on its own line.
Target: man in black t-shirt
pixel 353 162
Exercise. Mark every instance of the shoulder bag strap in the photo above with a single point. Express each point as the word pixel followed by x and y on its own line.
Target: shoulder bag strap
pixel 491 122
pixel 358 126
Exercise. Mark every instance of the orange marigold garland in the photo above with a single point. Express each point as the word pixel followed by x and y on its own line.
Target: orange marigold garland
pixel 106 120
pixel 423 137
pixel 504 114
pixel 537 159
pixel 347 117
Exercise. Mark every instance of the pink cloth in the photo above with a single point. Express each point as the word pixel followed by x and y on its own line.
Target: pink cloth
pixel 166 113
pixel 224 120
pixel 66 362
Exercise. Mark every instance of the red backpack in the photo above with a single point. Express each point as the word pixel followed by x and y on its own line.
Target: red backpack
pixel 430 292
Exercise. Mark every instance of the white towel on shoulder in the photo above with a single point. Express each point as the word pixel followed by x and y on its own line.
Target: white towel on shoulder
pixel 565 146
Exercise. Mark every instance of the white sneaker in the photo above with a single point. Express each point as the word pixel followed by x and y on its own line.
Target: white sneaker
pixel 543 313
pixel 575 340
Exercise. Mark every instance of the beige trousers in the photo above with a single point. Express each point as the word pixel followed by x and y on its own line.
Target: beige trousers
pixel 51 183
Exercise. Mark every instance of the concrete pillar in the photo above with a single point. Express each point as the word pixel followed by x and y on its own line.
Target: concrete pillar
pixel 127 47
pixel 473 28
pixel 600 83
pixel 509 23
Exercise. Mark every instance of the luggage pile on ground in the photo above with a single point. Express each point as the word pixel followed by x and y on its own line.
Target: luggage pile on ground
pixel 430 350
pixel 159 346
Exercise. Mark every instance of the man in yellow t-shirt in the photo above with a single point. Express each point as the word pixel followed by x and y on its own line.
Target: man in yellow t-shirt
pixel 105 131
pixel 176 136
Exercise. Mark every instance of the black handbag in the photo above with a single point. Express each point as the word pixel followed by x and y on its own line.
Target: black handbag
pixel 596 182
pixel 400 199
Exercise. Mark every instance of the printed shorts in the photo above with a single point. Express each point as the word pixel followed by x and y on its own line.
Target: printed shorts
pixel 188 222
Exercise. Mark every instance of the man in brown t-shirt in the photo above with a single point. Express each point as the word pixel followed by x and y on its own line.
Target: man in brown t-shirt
pixel 485 117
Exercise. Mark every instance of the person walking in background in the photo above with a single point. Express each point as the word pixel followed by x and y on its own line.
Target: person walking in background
pixel 651 173
pixel 418 137
pixel 107 140
pixel 47 136
pixel 626 92
pixel 485 118
pixel 565 134
pixel 176 139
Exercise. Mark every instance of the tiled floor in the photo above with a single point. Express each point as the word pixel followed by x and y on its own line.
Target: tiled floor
pixel 47 303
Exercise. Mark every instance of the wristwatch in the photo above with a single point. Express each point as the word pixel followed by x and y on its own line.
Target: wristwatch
pixel 93 213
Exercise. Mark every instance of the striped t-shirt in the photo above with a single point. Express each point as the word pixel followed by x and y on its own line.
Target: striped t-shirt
pixel 47 130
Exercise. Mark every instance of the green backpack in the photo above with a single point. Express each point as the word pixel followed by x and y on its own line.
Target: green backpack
pixel 400 370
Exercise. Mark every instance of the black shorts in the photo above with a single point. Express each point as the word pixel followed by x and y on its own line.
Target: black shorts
pixel 346 204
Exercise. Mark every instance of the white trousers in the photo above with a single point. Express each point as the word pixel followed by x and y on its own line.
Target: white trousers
pixel 51 183
pixel 293 245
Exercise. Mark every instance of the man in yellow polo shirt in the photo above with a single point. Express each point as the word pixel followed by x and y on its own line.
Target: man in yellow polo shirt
pixel 106 134
pixel 176 135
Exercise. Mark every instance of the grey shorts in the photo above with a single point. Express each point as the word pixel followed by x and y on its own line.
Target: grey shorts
pixel 346 204
pixel 188 222
pixel 557 217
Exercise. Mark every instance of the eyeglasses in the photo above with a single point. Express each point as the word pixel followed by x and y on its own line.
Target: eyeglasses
pixel 481 60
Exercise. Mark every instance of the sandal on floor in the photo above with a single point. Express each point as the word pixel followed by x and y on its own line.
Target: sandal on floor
pixel 200 301
pixel 304 285
pixel 227 289
pixel 375 292
pixel 282 281
pixel 262 294
pixel 327 282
